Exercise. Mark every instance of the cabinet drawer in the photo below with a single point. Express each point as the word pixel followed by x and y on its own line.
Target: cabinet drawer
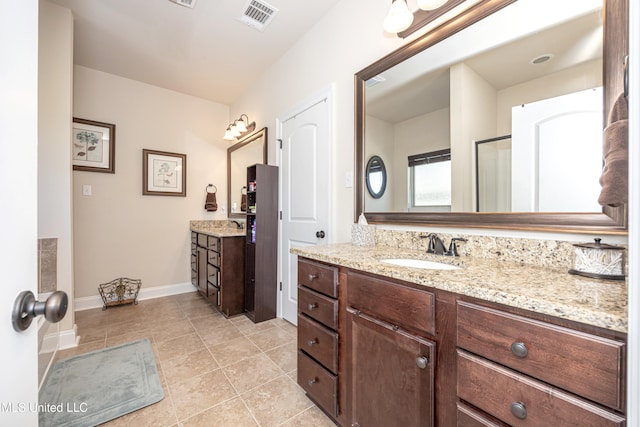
pixel 209 242
pixel 521 401
pixel 213 258
pixel 320 384
pixel 469 417
pixel 396 304
pixel 213 275
pixel 582 363
pixel 194 262
pixel 319 307
pixel 319 342
pixel 319 277
pixel 194 237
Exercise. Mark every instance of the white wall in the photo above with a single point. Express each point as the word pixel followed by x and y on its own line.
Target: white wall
pixel 379 143
pixel 118 232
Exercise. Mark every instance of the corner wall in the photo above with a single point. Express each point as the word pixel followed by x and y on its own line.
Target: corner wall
pixel 118 232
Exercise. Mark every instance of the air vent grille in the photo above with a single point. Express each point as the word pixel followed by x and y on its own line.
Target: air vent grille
pixel 258 14
pixel 187 3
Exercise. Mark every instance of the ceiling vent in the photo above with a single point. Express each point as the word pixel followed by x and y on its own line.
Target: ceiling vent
pixel 186 3
pixel 258 14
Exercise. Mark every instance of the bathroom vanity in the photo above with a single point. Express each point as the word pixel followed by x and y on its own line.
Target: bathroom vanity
pixel 492 343
pixel 217 266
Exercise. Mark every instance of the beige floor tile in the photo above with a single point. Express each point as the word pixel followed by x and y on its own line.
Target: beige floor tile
pixel 187 366
pixel 232 413
pixel 174 329
pixel 180 346
pixel 92 333
pixel 276 401
pixel 271 338
pixel 285 356
pixel 199 393
pixel 195 312
pixel 233 351
pixel 252 372
pixel 247 327
pixel 122 328
pixel 312 417
pixel 209 322
pixel 220 335
pixel 288 327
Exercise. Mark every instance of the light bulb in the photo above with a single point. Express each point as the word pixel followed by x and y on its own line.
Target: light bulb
pixel 399 17
pixel 228 136
pixel 431 4
pixel 240 125
pixel 234 132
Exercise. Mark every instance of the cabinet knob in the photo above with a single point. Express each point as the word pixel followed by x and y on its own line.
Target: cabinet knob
pixel 312 381
pixel 422 362
pixel 312 342
pixel 519 410
pixel 519 349
pixel 312 306
pixel 312 277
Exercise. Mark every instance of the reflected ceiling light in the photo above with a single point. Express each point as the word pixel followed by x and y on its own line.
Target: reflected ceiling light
pixel 399 18
pixel 431 4
pixel 238 128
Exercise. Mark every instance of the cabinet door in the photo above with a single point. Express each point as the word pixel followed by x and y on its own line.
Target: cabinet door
pixel 391 374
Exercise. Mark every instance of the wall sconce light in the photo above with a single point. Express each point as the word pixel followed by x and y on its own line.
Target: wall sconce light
pixel 238 128
pixel 400 16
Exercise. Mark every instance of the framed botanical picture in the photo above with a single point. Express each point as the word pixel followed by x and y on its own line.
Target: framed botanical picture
pixel 93 146
pixel 163 173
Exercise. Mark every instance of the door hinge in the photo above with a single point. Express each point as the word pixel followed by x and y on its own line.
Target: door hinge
pixel 280 285
pixel 280 141
pixel 280 215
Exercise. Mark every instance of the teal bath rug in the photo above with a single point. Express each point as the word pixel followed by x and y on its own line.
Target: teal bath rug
pixel 93 388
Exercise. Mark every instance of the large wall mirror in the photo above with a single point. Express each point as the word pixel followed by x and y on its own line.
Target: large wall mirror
pixel 485 74
pixel 248 151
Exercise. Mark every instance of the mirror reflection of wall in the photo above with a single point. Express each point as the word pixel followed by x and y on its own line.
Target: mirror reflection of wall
pixel 248 151
pixel 450 105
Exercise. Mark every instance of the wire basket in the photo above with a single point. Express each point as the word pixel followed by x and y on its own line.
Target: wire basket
pixel 119 292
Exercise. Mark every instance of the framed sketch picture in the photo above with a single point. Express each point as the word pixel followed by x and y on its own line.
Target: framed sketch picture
pixel 163 173
pixel 93 146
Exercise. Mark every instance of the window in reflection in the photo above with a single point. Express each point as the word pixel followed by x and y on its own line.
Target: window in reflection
pixel 430 181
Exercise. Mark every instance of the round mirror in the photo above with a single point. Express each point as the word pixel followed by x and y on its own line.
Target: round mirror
pixel 376 177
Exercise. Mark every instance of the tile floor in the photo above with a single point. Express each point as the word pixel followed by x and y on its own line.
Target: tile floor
pixel 215 371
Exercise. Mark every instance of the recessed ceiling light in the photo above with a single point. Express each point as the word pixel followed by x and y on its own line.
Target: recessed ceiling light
pixel 541 59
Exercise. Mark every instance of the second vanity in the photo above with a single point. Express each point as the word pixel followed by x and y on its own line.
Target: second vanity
pixel 492 343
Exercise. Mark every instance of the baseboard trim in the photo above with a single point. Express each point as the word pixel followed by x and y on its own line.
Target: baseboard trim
pixel 68 338
pixel 87 303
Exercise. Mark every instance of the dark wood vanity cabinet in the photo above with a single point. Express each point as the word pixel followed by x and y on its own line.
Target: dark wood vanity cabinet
pixel 391 354
pixel 522 370
pixel 376 351
pixel 261 251
pixel 217 270
pixel 318 336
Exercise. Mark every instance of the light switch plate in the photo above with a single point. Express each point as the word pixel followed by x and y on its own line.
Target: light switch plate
pixel 348 179
pixel 86 190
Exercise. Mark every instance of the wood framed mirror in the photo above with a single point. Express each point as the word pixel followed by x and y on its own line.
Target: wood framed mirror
pixel 613 20
pixel 250 150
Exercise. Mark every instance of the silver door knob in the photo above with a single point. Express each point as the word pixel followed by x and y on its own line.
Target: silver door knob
pixel 26 307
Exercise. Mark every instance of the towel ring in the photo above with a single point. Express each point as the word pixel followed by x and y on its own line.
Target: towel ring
pixel 211 185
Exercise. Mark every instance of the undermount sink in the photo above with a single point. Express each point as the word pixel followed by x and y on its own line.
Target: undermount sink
pixel 420 263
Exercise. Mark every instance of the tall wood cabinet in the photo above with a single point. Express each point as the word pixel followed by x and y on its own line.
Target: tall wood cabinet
pixel 261 252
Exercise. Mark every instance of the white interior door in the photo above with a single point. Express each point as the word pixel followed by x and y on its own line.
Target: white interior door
pixel 18 198
pixel 305 167
pixel 557 154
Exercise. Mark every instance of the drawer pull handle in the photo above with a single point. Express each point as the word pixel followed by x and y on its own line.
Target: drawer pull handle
pixel 519 349
pixel 519 410
pixel 422 362
pixel 312 381
pixel 312 306
pixel 312 342
pixel 312 277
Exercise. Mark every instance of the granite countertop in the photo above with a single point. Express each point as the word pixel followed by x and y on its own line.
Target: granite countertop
pixel 601 303
pixel 218 231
